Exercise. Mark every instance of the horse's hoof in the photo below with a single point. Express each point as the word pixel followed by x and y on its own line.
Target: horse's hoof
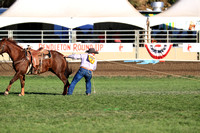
pixel 6 93
pixel 21 95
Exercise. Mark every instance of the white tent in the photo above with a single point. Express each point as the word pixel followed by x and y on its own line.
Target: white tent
pixel 72 13
pixel 181 15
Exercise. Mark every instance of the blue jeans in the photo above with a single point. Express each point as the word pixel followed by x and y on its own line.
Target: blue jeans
pixel 87 74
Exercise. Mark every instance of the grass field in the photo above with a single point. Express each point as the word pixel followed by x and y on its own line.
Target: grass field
pixel 120 105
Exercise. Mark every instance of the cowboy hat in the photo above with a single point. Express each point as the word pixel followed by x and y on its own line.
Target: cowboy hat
pixel 92 50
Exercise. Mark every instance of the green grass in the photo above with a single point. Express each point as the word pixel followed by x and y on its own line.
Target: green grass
pixel 120 105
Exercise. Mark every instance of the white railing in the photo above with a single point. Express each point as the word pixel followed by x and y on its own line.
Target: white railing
pixel 137 37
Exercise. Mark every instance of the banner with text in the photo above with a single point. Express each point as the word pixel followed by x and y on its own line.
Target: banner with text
pixel 191 47
pixel 81 47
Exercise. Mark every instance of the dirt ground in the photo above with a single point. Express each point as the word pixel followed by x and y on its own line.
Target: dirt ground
pixel 121 68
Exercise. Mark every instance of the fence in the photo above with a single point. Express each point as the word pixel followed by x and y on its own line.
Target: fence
pixel 136 37
pixel 103 36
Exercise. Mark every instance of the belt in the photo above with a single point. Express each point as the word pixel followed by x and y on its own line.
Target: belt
pixel 87 68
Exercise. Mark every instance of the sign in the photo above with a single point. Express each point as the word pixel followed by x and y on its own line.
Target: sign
pixel 81 47
pixel 191 47
pixel 158 50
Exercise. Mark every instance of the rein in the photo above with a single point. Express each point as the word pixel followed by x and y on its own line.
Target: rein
pixel 23 59
pixel 18 61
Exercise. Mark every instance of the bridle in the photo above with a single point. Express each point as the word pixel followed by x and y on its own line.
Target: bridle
pixel 2 48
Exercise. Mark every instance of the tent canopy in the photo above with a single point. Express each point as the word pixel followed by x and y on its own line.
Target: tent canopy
pixel 182 13
pixel 72 13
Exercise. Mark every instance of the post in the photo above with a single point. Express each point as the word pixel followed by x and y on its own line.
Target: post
pixel 136 44
pixel 147 31
pixel 167 36
pixel 70 35
pixel 73 36
pixel 10 34
pixel 105 36
pixel 42 36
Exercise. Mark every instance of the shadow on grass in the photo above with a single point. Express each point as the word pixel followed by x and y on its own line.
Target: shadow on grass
pixel 31 93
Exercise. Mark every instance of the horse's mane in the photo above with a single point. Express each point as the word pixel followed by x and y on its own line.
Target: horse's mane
pixel 11 41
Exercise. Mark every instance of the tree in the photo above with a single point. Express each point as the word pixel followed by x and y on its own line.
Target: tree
pixel 6 3
pixel 143 4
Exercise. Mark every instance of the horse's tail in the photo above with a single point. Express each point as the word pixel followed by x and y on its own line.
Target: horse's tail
pixel 68 71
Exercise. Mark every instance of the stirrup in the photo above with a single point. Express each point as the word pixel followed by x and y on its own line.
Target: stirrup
pixel 35 71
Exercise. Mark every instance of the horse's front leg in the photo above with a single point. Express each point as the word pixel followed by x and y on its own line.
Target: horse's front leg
pixel 22 80
pixel 16 77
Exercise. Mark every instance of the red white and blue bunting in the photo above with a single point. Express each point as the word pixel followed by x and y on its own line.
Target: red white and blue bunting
pixel 158 50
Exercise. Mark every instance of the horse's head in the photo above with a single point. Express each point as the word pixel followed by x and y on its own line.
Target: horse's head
pixel 3 43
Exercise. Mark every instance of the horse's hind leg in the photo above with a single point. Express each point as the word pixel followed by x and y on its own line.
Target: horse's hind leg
pixel 65 81
pixel 16 77
pixel 65 87
pixel 22 80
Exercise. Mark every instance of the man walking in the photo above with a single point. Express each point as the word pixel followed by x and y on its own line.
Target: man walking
pixel 88 64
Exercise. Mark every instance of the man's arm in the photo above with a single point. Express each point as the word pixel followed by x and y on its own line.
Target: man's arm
pixel 74 56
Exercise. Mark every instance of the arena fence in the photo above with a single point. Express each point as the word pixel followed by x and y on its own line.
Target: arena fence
pixel 137 39
pixel 105 36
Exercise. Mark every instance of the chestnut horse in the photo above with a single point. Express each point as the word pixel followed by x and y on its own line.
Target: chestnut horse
pixel 56 64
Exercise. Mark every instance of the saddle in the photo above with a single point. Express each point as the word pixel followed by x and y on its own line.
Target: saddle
pixel 37 57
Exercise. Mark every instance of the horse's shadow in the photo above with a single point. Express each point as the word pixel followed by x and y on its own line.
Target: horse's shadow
pixel 31 93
